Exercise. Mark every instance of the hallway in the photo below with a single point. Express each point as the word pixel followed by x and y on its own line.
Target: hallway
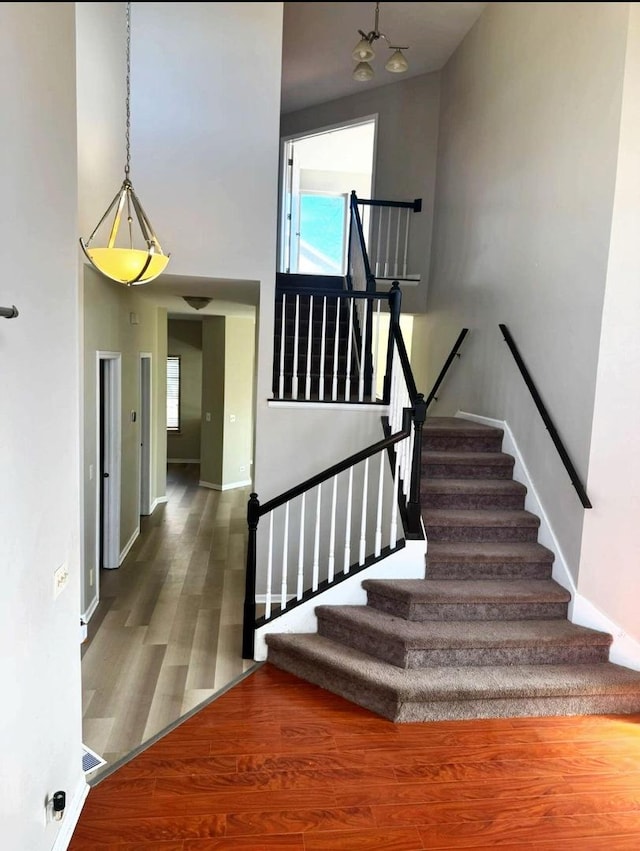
pixel 168 631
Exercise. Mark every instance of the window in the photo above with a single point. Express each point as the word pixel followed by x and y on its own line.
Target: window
pixel 173 393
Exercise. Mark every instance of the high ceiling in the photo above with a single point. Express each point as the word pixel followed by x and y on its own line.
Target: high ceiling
pixel 317 66
pixel 319 38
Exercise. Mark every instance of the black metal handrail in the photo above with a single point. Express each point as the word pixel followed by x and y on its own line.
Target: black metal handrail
pixel 450 359
pixel 553 432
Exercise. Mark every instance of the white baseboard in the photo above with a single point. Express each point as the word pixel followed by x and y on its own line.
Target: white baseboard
pixel 405 563
pixel 128 545
pixel 85 617
pixel 159 500
pixel 227 487
pixel 624 650
pixel 183 460
pixel 71 816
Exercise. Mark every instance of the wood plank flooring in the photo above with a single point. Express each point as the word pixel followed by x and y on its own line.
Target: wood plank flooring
pixel 277 764
pixel 167 634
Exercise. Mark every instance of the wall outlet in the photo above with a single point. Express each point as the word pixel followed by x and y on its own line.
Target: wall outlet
pixel 243 469
pixel 60 579
pixel 232 418
pixel 207 417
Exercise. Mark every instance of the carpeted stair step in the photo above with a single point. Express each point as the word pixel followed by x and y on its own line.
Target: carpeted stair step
pixel 477 525
pixel 408 644
pixel 484 494
pixel 466 465
pixel 468 599
pixel 490 560
pixel 446 693
pixel 454 434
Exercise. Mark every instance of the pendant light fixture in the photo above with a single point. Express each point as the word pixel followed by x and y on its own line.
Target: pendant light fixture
pixel 363 53
pixel 128 265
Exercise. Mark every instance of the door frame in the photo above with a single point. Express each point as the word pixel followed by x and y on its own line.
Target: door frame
pixel 113 458
pixel 145 396
pixel 287 179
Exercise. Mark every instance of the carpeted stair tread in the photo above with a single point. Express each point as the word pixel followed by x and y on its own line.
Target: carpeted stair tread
pixel 476 486
pixel 459 427
pixel 462 634
pixel 324 661
pixel 485 459
pixel 478 517
pixel 469 590
pixel 488 560
pixel 519 552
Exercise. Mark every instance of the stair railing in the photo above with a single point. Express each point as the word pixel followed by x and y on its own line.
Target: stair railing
pixel 387 224
pixel 453 354
pixel 347 517
pixel 546 418
pixel 320 348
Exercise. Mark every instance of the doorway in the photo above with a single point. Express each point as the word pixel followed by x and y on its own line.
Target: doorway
pixel 320 171
pixel 108 384
pixel 144 408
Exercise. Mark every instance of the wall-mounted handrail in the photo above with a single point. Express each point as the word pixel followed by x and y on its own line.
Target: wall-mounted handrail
pixel 553 432
pixel 415 205
pixel 450 359
pixel 9 312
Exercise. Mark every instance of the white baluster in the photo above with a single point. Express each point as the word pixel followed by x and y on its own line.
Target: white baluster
pixel 406 243
pixel 322 345
pixel 378 538
pixel 307 389
pixel 347 528
pixel 282 340
pixel 376 342
pixel 363 519
pixel 347 384
pixel 393 531
pixel 296 334
pixel 316 543
pixel 299 589
pixel 285 559
pixel 267 604
pixel 331 564
pixel 336 341
pixel 363 340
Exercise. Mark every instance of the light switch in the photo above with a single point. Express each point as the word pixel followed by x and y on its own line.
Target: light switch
pixel 207 417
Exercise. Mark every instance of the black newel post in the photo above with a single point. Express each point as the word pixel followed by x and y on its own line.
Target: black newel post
pixel 249 621
pixel 418 415
pixel 395 302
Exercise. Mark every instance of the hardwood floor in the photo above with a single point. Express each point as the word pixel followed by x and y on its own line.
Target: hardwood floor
pixel 276 763
pixel 167 633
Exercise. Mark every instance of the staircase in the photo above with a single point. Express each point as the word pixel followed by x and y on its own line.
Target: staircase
pixel 485 634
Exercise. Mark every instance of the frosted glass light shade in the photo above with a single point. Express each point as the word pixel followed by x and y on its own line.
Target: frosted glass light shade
pixel 363 72
pixel 127 265
pixel 397 63
pixel 363 52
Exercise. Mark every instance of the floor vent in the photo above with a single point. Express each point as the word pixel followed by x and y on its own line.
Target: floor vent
pixel 91 760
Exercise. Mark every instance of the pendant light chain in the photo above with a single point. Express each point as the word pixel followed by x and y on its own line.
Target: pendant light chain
pixel 127 166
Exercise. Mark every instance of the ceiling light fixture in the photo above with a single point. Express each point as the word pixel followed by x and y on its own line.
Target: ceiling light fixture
pixel 127 265
pixel 197 302
pixel 363 53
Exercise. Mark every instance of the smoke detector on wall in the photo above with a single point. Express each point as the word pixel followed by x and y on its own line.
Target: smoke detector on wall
pixel 197 302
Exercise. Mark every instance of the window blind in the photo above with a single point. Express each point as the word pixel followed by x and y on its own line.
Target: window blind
pixel 173 393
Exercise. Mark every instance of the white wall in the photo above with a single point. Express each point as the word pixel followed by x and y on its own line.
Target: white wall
pixel 529 120
pixel 406 147
pixel 40 718
pixel 609 574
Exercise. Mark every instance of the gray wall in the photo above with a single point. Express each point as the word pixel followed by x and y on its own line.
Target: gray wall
pixel 185 341
pixel 406 148
pixel 529 120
